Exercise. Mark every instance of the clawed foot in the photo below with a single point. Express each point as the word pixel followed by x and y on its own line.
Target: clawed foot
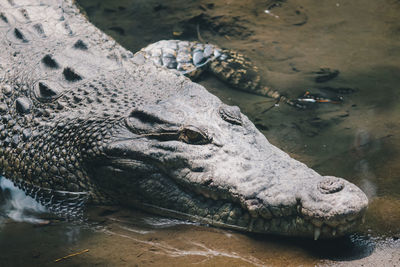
pixel 309 99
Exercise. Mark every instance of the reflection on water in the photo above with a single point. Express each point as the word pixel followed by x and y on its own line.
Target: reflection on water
pixel 291 42
pixel 112 233
pixel 198 250
pixel 116 236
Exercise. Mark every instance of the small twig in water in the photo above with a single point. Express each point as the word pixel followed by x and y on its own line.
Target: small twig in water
pixel 72 255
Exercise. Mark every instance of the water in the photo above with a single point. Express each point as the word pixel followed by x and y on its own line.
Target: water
pixel 357 139
pixel 17 206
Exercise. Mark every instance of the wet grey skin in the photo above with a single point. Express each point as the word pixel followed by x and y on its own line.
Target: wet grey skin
pixel 82 118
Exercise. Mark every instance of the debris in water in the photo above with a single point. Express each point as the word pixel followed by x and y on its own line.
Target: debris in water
pixel 72 255
pixel 271 14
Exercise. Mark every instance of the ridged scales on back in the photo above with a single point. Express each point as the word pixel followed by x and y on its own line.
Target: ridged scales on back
pixel 81 117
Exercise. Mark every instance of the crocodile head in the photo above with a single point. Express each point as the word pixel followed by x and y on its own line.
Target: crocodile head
pixel 192 157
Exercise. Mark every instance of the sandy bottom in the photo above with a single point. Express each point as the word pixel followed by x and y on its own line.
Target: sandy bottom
pixel 358 139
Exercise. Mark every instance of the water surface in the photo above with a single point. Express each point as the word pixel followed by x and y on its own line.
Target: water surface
pixel 289 41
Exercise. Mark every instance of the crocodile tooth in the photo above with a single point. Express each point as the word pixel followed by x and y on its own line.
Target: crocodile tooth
pixel 317 232
pixel 299 209
pixel 333 232
pixel 251 225
pixel 363 219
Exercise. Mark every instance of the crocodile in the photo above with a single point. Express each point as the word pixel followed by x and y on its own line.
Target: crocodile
pixel 83 122
pixel 230 66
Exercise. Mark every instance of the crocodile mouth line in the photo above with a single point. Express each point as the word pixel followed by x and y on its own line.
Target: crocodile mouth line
pixel 297 222
pixel 199 204
pixel 260 225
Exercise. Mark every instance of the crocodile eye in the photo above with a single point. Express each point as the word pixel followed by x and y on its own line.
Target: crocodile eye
pixel 193 135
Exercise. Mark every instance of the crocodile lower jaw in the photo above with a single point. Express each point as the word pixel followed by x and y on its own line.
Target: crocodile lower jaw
pixel 287 226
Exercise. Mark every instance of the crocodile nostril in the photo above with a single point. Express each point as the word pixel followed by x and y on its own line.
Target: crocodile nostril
pixel 330 185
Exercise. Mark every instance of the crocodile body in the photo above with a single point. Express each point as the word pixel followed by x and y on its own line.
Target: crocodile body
pixel 82 118
pixel 193 58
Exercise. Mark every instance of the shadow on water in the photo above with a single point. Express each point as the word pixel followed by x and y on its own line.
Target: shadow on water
pixel 341 249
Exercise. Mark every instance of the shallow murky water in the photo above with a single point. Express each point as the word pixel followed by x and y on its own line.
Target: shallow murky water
pixel 290 41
